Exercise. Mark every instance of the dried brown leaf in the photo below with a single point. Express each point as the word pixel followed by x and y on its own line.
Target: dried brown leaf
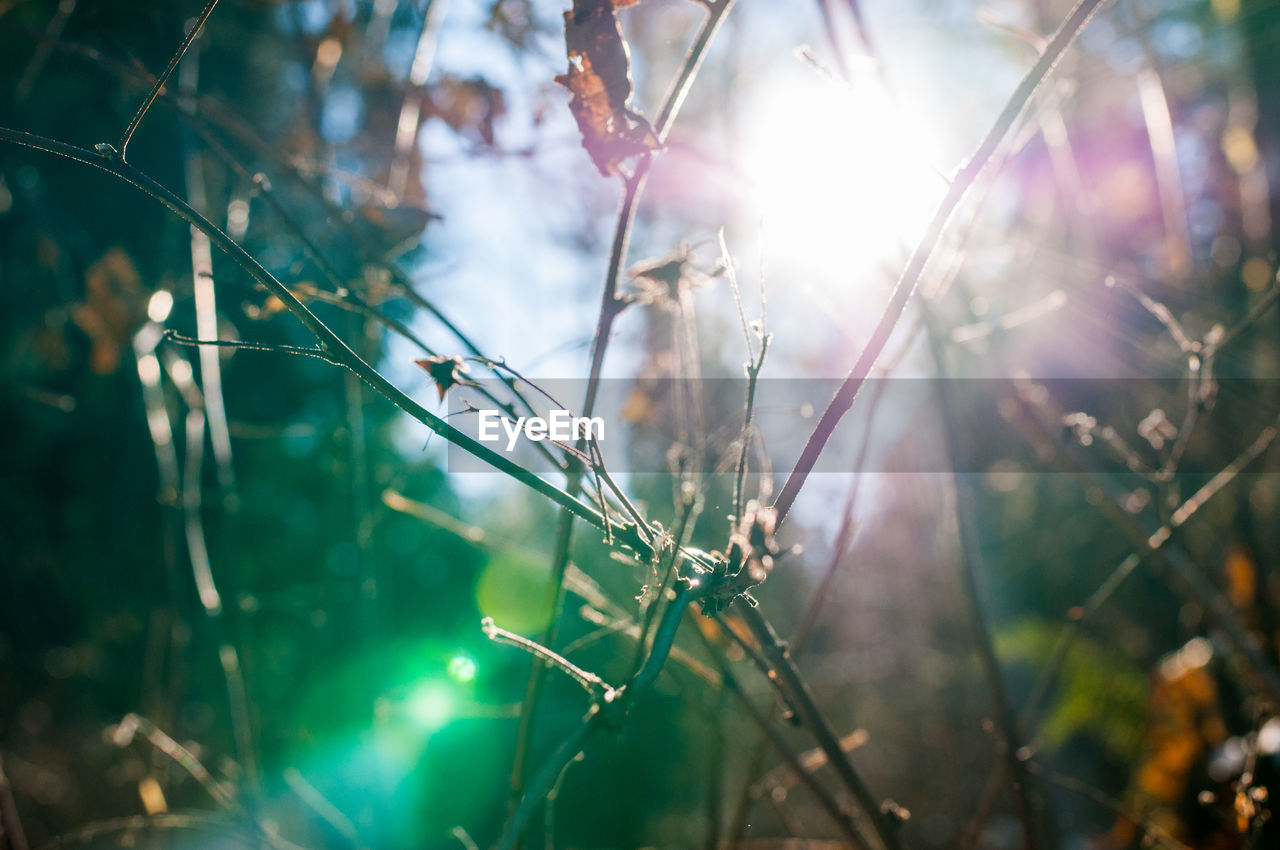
pixel 446 372
pixel 599 77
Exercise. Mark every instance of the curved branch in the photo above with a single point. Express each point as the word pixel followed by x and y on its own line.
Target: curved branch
pixel 330 342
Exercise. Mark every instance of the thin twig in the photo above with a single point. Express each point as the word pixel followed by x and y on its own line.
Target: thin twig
pixel 22 90
pixel 330 342
pixel 133 724
pixel 715 771
pixel 970 558
pixel 754 365
pixel 610 307
pixel 1161 540
pixel 1152 829
pixel 1150 539
pixel 613 706
pixel 242 345
pixel 202 110
pixel 1250 319
pixel 844 538
pixel 322 806
pixel 546 777
pixel 692 506
pixel 829 803
pixel 408 123
pixel 807 709
pixel 1154 101
pixel 590 682
pixel 127 136
pixel 202 564
pixel 910 277
pixel 205 295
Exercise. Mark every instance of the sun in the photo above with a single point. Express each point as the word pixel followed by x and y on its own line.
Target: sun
pixel 843 181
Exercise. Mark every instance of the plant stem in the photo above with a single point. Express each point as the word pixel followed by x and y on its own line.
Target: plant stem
pixel 1151 539
pixel 770 730
pixel 546 777
pixel 164 78
pixel 969 556
pixel 610 307
pixel 802 698
pixel 619 702
pixel 910 277
pixel 330 343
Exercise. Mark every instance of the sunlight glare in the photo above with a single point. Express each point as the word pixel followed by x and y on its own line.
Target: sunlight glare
pixel 843 180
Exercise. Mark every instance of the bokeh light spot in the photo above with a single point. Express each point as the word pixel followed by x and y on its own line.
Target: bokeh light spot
pixel 462 668
pixel 430 705
pixel 515 592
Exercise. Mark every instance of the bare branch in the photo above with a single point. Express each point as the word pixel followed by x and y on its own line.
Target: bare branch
pixel 164 78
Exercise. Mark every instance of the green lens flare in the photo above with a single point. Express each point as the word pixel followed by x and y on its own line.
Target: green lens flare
pixel 462 668
pixel 430 705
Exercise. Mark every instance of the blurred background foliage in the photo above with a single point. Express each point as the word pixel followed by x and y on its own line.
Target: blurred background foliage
pixel 425 152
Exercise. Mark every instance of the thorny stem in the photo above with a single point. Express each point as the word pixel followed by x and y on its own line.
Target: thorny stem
pixel 164 78
pixel 910 277
pixel 610 306
pixel 330 342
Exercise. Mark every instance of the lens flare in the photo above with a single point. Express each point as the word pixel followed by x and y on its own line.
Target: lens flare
pixel 843 180
pixel 430 705
pixel 462 668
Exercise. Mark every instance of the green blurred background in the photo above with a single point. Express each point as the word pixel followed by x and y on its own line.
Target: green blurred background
pixel 353 569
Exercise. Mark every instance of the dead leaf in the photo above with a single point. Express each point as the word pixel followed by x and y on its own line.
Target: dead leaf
pixel 661 281
pixel 470 105
pixel 599 78
pixel 446 372
pixel 1183 724
pixel 114 307
pixel 1242 579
